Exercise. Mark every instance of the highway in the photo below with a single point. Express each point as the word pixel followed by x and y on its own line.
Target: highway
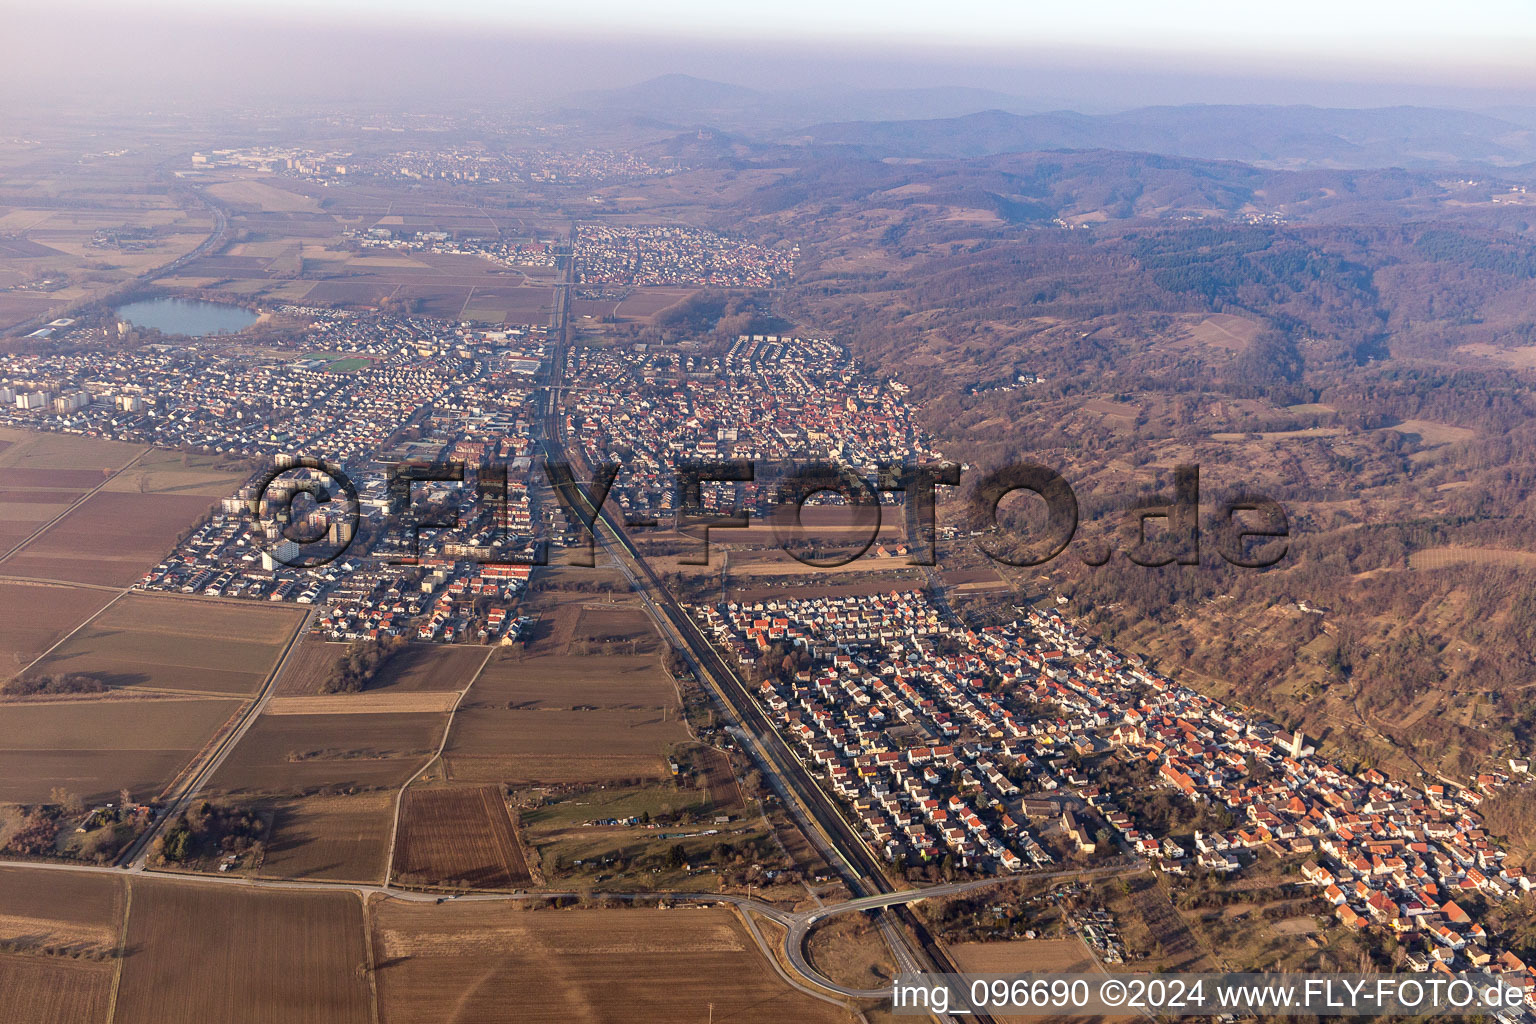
pixel 800 924
pixel 212 243
pixel 215 241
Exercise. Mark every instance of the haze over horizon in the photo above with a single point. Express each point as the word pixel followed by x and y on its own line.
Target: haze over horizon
pixel 338 52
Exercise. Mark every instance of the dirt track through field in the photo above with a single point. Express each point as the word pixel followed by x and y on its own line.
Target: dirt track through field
pixel 364 704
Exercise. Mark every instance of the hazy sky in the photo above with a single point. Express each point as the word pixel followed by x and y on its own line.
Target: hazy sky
pixel 1362 29
pixel 1086 54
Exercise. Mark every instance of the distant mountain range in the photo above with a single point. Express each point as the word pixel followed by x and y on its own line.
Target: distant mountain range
pixel 960 122
pixel 686 101
pixel 1279 137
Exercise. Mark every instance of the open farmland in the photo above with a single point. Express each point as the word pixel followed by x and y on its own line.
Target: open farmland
pixel 295 254
pixel 166 471
pixel 43 475
pixel 423 668
pixel 161 642
pixel 110 538
pixel 644 303
pixel 54 990
pixel 37 459
pixel 625 628
pixel 566 719
pixel 365 703
pixel 63 929
pixel 251 194
pixel 99 746
pixel 52 215
pixel 24 512
pixel 335 838
pixel 35 616
pixel 459 836
pixel 289 755
pixel 74 911
pixel 1062 955
pixel 429 668
pixel 308 666
pixel 508 305
pixel 577 965
pixel 1450 558
pixel 562 681
pixel 143 501
pixel 562 746
pixel 724 791
pixel 214 953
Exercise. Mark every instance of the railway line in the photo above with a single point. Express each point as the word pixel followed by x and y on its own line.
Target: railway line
pixel 822 820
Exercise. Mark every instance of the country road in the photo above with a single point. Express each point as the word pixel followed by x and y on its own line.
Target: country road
pixel 137 853
pixel 797 925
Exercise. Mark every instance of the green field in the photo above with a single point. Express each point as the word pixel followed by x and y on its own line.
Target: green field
pixel 339 362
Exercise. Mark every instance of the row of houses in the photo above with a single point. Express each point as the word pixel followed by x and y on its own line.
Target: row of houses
pixel 940 738
pixel 675 254
pixel 770 399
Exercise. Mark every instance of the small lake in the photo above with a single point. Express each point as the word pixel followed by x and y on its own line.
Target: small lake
pixel 185 316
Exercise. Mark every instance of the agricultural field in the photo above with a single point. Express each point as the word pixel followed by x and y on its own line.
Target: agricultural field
pixel 50 215
pixel 110 539
pixel 644 303
pixel 420 668
pixel 366 702
pixel 1220 331
pixel 59 932
pixel 564 681
pixel 163 642
pixel 248 194
pixel 296 755
pixel 579 834
pixel 130 523
pixel 99 746
pixel 565 719
pixel 724 791
pixel 42 475
pixel 459 836
pixel 626 628
pixel 331 838
pixel 557 746
pixel 567 811
pixel 294 253
pixel 1451 557
pixel 74 912
pixel 307 667
pixel 201 952
pixel 35 458
pixel 430 668
pixel 35 616
pixel 1066 956
pixel 164 471
pixel 577 965
pixel 54 990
